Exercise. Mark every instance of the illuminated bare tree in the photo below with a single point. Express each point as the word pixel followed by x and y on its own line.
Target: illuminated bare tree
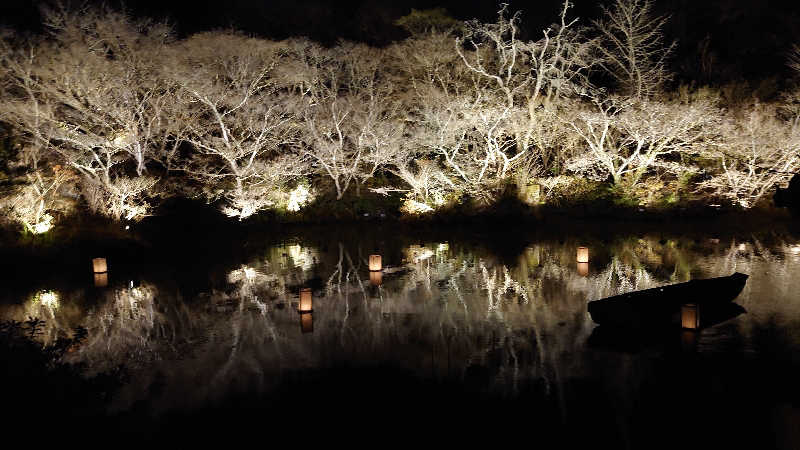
pixel 606 154
pixel 625 139
pixel 655 129
pixel 241 131
pixel 449 117
pixel 528 76
pixel 433 92
pixel 794 58
pixel 90 92
pixel 445 129
pixel 633 47
pixel 759 152
pixel 34 202
pixel 34 198
pixel 482 110
pixel 329 141
pixel 351 127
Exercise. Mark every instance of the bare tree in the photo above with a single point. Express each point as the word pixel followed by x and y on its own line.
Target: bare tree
pixel 89 93
pixel 528 76
pixel 433 85
pixel 633 47
pixel 760 151
pixel 606 154
pixel 794 58
pixel 351 125
pixel 33 198
pixel 240 128
pixel 34 202
pixel 329 141
pixel 625 138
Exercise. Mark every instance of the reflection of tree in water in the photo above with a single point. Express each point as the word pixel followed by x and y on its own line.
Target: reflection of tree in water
pixel 447 312
pixel 770 295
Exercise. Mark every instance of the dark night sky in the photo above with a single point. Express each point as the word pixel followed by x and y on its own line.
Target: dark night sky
pixel 748 38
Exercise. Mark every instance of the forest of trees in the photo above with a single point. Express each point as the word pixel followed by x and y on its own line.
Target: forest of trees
pixel 115 114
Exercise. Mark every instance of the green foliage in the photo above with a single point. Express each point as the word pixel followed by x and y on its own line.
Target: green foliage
pixel 622 195
pixel 428 20
pixel 357 204
pixel 579 191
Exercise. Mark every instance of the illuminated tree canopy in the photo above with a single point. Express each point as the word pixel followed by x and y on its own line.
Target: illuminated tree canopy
pixel 117 113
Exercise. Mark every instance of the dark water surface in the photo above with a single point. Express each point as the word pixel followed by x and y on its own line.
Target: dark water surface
pixel 462 334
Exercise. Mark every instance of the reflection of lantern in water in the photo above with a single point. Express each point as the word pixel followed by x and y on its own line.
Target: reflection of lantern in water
pixel 305 300
pixel 307 323
pixel 690 316
pixel 375 262
pixel 688 340
pixel 583 269
pixel 101 279
pixel 534 258
pixel 583 254
pixel 99 265
pixel 376 278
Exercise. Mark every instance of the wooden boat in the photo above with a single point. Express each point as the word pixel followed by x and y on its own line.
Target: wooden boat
pixel 662 305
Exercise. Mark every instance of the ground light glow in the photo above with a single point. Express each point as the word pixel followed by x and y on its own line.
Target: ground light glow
pixel 298 198
pixel 45 225
pixel 414 207
pixel 47 298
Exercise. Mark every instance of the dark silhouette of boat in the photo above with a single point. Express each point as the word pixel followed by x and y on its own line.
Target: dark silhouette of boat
pixel 667 336
pixel 662 305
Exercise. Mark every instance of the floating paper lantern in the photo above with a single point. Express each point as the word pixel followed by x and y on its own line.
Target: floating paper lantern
pixel 307 323
pixel 376 278
pixel 375 263
pixel 690 316
pixel 101 279
pixel 583 254
pixel 99 265
pixel 305 300
pixel 583 269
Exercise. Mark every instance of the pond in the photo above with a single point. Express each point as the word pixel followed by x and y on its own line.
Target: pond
pixel 480 327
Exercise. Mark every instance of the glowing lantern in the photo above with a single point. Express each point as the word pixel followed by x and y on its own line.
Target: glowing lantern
pixel 583 269
pixel 99 265
pixel 101 279
pixel 307 323
pixel 690 316
pixel 375 263
pixel 305 300
pixel 583 254
pixel 376 278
